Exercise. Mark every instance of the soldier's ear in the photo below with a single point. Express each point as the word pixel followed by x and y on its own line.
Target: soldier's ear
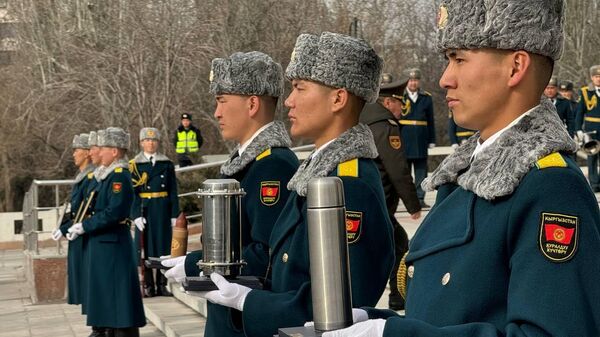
pixel 340 98
pixel 520 65
pixel 253 105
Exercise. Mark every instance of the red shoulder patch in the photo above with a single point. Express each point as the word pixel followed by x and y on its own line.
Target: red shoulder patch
pixel 353 226
pixel 269 192
pixel 558 236
pixel 116 187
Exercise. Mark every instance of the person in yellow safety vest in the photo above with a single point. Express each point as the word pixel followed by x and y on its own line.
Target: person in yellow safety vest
pixel 188 140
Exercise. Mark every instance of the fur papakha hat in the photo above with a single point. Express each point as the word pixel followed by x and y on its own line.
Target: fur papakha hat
pixel 149 133
pixel 80 141
pixel 93 139
pixel 252 73
pixel 535 26
pixel 337 61
pixel 114 137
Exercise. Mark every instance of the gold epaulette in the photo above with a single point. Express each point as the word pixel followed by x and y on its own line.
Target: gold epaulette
pixel 264 154
pixel 393 122
pixel 90 175
pixel 118 170
pixel 401 276
pixel 348 168
pixel 552 160
pixel 427 93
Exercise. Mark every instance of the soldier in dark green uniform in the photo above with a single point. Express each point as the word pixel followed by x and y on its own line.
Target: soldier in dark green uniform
pixel 563 106
pixel 395 173
pixel 588 120
pixel 418 128
pixel 75 264
pixel 246 87
pixel 566 90
pixel 113 298
pixel 510 247
pixel 457 134
pixel 332 77
pixel 155 205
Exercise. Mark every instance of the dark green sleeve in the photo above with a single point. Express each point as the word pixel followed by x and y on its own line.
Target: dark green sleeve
pixel 119 206
pixel 191 260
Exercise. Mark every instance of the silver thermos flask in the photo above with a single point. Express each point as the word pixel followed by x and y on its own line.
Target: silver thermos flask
pixel 328 249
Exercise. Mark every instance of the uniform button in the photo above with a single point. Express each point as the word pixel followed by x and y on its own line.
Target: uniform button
pixel 162 185
pixel 446 279
pixel 162 175
pixel 284 258
pixel 148 187
pixel 411 271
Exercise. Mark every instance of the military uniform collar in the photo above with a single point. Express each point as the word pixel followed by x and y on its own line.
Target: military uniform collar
pixel 498 171
pixel 141 158
pixel 119 163
pixel 82 174
pixel 244 146
pixel 356 142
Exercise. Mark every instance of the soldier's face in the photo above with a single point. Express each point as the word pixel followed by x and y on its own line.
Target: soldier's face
pixel 95 155
pixel 596 80
pixel 232 113
pixel 149 145
pixel 551 91
pixel 413 84
pixel 568 94
pixel 79 156
pixel 475 81
pixel 309 113
pixel 394 105
pixel 108 155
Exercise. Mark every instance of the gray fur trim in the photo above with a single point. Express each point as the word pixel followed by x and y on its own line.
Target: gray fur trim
pixel 275 135
pixel 535 26
pixel 122 163
pixel 337 61
pixel 140 158
pixel 252 73
pixel 98 172
pixel 356 142
pixel 498 170
pixel 82 174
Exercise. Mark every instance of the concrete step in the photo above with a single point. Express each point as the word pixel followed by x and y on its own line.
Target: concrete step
pixel 173 317
pixel 198 304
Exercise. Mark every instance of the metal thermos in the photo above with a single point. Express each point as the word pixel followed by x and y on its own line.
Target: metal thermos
pixel 221 227
pixel 328 249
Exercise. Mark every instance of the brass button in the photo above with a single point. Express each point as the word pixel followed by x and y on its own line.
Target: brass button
pixel 284 258
pixel 411 271
pixel 446 279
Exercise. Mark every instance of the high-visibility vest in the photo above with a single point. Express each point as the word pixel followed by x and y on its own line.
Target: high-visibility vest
pixel 186 140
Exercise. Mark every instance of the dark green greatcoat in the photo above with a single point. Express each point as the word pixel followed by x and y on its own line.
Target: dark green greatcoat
pixel 113 293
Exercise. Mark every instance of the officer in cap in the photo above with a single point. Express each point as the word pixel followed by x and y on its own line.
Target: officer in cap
pixel 332 77
pixel 155 205
pixel 246 87
pixel 563 106
pixel 588 120
pixel 113 298
pixel 395 173
pixel 510 246
pixel 187 140
pixel 566 90
pixel 418 129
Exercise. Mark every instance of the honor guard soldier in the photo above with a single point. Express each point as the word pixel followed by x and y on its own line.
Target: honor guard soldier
pixel 588 120
pixel 188 140
pixel 563 106
pixel 418 128
pixel 113 297
pixel 155 205
pixel 76 262
pixel 393 168
pixel 246 87
pixel 332 77
pixel 511 245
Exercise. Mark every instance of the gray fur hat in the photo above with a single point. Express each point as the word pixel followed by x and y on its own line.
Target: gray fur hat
pixel 553 82
pixel 252 73
pixel 535 26
pixel 414 73
pixel 80 141
pixel 93 139
pixel 114 137
pixel 337 61
pixel 149 133
pixel 595 70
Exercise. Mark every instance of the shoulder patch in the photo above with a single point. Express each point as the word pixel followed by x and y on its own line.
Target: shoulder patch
pixel 393 122
pixel 395 142
pixel 118 170
pixel 558 236
pixel 348 168
pixel 264 154
pixel 552 160
pixel 116 187
pixel 353 226
pixel 269 192
pixel 90 175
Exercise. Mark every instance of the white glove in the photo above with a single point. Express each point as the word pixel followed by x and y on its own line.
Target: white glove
pixel 57 234
pixel 177 271
pixel 173 222
pixel 77 229
pixel 358 315
pixel 229 294
pixel 370 328
pixel 454 146
pixel 72 236
pixel 140 223
pixel 431 145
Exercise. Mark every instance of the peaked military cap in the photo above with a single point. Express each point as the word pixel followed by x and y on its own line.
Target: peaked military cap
pixel 553 82
pixel 114 137
pixel 392 87
pixel 80 141
pixel 337 61
pixel 566 85
pixel 595 70
pixel 414 73
pixel 252 73
pixel 149 133
pixel 186 116
pixel 535 26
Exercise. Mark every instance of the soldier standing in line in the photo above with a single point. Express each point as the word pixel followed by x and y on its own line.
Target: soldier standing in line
pixel 395 173
pixel 155 205
pixel 113 298
pixel 246 87
pixel 566 90
pixel 563 106
pixel 418 129
pixel 511 245
pixel 588 120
